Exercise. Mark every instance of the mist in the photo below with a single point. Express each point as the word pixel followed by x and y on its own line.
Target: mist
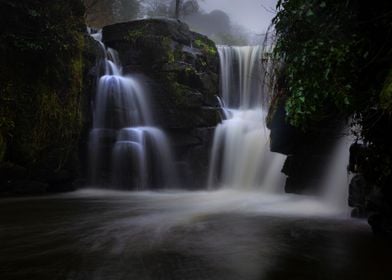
pixel 232 22
pixel 254 15
pixel 226 22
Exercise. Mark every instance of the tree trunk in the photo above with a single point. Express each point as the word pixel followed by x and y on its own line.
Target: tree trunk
pixel 177 15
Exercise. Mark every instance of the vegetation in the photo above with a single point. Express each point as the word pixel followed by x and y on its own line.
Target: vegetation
pixel 319 67
pixel 337 61
pixel 41 83
pixel 334 54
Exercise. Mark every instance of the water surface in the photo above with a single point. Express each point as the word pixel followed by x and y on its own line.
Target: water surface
pixel 94 234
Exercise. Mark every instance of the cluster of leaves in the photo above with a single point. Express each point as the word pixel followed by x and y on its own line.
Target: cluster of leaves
pixel 320 50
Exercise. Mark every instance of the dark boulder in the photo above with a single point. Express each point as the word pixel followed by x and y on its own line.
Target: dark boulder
pixel 28 187
pixel 308 152
pixel 358 154
pixel 370 189
pixel 180 68
pixel 379 213
pixel 358 192
pixel 284 137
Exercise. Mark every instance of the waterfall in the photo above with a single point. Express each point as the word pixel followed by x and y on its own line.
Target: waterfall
pixel 241 76
pixel 126 151
pixel 240 155
pixel 334 190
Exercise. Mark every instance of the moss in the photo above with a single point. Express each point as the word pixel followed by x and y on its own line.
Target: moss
pixel 40 104
pixel 140 30
pixel 207 47
pixel 134 35
pixel 173 51
pixel 141 39
pixel 386 94
pixel 178 94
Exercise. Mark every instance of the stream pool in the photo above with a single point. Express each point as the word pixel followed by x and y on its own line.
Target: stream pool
pixel 221 235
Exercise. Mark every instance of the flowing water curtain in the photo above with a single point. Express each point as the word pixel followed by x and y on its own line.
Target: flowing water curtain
pixel 240 155
pixel 126 151
pixel 241 76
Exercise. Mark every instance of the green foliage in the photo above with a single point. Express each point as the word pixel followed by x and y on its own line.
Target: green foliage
pixel 337 60
pixel 336 57
pixel 320 51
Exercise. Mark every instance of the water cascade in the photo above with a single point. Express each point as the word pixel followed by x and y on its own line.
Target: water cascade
pixel 336 179
pixel 126 151
pixel 240 154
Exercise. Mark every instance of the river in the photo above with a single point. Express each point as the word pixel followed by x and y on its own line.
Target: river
pixel 223 235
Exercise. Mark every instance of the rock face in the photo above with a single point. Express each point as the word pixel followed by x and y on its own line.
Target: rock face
pixel 370 189
pixel 358 193
pixel 180 69
pixel 45 90
pixel 308 153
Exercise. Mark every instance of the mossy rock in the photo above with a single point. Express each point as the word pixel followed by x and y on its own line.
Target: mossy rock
pixel 43 80
pixel 134 30
pixel 181 66
pixel 386 94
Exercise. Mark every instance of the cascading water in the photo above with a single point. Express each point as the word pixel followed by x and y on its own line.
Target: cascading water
pixel 336 179
pixel 124 147
pixel 240 154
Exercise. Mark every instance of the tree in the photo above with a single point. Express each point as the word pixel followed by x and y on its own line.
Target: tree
pixel 103 12
pixel 156 8
pixel 177 13
pixel 190 7
pixel 170 8
pixel 125 10
pixel 98 12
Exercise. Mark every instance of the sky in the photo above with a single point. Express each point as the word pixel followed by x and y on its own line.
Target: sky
pixel 251 14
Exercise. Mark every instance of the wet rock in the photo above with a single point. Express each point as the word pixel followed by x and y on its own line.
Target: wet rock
pixel 27 187
pixel 180 69
pixel 10 172
pixel 284 137
pixel 370 189
pixel 131 30
pixel 308 152
pixel 358 154
pixel 358 192
pixel 380 213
